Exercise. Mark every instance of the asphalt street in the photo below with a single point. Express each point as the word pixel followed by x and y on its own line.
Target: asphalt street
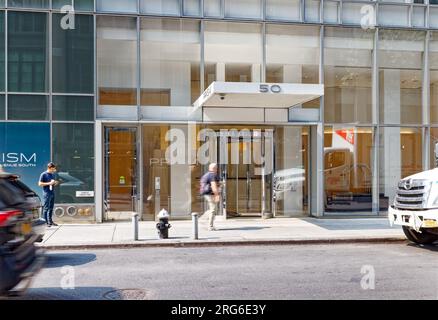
pixel 341 271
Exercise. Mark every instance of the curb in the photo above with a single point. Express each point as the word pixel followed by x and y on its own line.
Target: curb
pixel 200 243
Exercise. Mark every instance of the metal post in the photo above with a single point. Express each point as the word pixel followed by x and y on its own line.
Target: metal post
pixel 135 225
pixel 195 219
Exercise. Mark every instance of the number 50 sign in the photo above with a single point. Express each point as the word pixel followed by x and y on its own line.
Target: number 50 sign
pixel 265 88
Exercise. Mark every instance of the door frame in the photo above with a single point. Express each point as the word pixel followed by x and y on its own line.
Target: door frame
pixel 101 127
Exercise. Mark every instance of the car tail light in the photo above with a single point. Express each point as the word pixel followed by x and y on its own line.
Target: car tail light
pixel 6 215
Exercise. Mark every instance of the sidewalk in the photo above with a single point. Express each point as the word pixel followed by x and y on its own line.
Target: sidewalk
pixel 230 232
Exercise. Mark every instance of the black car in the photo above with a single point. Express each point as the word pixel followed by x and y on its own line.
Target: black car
pixel 20 259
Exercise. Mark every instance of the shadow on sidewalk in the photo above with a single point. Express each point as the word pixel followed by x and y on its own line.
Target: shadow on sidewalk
pixel 243 228
pixel 351 224
pixel 57 260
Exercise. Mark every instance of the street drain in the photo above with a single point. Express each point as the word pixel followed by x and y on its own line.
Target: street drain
pixel 126 294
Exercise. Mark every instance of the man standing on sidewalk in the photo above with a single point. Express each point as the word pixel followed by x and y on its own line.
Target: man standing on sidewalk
pixel 211 191
pixel 48 182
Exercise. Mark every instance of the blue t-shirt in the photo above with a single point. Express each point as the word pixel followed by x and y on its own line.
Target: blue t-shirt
pixel 47 177
pixel 206 181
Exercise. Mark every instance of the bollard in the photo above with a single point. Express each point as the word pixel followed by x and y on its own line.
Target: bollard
pixel 135 225
pixel 195 225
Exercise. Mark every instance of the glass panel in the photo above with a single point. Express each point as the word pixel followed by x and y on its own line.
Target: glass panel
pixel 400 156
pixel 433 19
pixel 400 63
pixel 169 7
pixel 331 11
pixel 212 8
pixel 73 55
pixel 84 5
pixel 351 13
pixel 120 172
pixel 73 152
pixel 283 9
pixel 170 62
pixel 28 107
pixel 433 64
pixel 433 141
pixel 58 4
pixel 312 12
pixel 117 60
pixel 391 15
pixel 129 6
pixel 29 3
pixel 292 54
pixel 233 52
pixel 69 108
pixel 2 51
pixel 192 7
pixel 2 107
pixel 347 75
pixel 418 15
pixel 250 9
pixel 292 165
pixel 27 52
pixel 348 154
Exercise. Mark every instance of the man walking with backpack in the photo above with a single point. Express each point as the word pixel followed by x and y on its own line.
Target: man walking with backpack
pixel 211 191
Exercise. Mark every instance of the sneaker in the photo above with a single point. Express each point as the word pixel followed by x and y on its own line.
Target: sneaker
pixel 48 225
pixel 212 229
pixel 54 224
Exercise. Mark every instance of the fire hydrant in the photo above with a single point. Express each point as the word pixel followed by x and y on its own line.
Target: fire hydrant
pixel 163 225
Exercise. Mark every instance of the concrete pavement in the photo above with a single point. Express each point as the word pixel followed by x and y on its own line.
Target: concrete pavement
pixel 230 232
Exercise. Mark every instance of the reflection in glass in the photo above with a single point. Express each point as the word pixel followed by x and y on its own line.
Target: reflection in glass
pixel 73 152
pixel 401 76
pixel 348 169
pixel 347 75
pixel 73 55
pixel 28 107
pixel 400 156
pixel 70 108
pixel 170 62
pixel 27 52
pixel 233 52
pixel 117 60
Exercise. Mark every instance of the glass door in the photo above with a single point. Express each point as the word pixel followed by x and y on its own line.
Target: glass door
pixel 121 178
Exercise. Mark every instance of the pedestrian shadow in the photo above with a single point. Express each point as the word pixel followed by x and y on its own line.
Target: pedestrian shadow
pixel 57 260
pixel 77 293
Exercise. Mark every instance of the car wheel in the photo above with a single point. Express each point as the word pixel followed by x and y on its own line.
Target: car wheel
pixel 419 238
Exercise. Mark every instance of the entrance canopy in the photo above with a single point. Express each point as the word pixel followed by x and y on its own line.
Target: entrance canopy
pixel 258 95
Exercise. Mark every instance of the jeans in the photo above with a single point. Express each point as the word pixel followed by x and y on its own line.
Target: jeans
pixel 49 203
pixel 212 209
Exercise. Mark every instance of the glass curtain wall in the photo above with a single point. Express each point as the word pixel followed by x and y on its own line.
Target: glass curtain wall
pixel 433 67
pixel 348 75
pixel 170 62
pixel 117 61
pixel 233 52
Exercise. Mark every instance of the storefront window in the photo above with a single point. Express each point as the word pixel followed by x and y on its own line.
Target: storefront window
pixel 2 107
pixel 292 54
pixel 233 52
pixel 2 51
pixel 401 76
pixel 73 152
pixel 433 142
pixel 73 55
pixel 401 155
pixel 29 3
pixel 348 171
pixel 117 60
pixel 129 6
pixel 170 62
pixel 28 52
pixel 348 75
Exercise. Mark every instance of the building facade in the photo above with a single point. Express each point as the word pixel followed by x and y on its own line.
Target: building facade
pixel 108 92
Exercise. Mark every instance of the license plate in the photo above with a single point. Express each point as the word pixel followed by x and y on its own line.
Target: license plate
pixel 26 228
pixel 430 224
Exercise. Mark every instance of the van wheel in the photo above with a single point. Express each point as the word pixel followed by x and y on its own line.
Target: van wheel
pixel 419 238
